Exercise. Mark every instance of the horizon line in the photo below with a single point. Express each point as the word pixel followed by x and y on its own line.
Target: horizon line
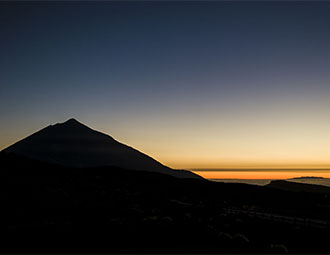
pixel 256 169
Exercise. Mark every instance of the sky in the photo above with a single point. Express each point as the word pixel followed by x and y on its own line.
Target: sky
pixel 196 85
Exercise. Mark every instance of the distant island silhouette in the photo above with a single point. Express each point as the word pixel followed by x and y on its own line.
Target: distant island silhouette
pixel 306 177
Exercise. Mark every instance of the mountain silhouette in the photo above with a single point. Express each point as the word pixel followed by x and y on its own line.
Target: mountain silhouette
pixel 73 144
pixel 298 187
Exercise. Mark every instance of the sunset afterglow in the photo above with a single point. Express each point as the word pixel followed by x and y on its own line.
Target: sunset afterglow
pixel 194 85
pixel 266 174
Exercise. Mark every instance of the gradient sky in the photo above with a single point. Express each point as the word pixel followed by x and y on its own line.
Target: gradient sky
pixel 193 84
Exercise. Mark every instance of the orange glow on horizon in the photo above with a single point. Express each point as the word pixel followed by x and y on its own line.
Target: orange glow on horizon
pixel 261 174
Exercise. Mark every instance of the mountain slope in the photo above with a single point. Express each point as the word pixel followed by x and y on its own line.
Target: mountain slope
pixel 298 187
pixel 74 144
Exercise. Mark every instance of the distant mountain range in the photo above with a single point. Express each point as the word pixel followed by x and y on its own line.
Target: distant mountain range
pixel 306 177
pixel 73 144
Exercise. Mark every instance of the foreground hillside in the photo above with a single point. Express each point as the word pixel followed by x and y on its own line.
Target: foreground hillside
pixel 53 209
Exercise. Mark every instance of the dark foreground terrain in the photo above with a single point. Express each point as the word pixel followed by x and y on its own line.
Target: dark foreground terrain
pixel 54 209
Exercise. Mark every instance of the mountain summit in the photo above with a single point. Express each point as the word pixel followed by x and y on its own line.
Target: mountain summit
pixel 73 144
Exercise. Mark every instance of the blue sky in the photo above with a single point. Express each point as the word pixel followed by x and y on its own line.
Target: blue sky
pixel 191 83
